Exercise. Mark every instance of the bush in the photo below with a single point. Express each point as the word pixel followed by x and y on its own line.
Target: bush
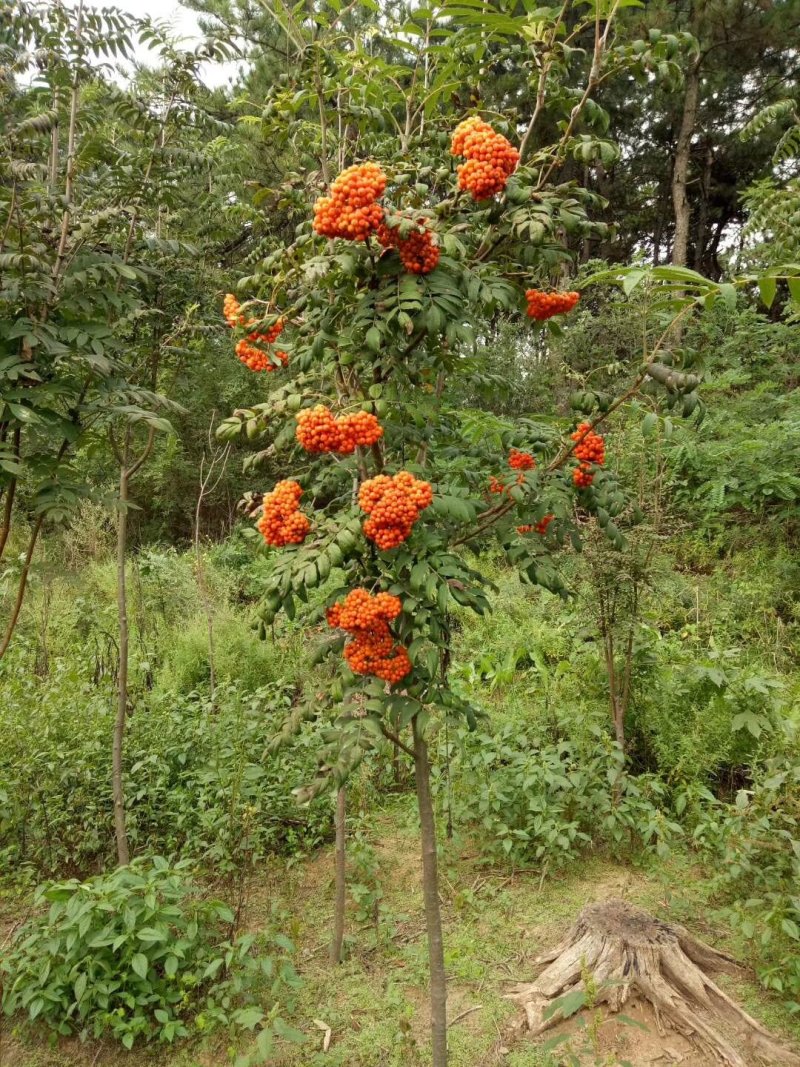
pixel 533 801
pixel 137 955
pixel 754 846
pixel 197 781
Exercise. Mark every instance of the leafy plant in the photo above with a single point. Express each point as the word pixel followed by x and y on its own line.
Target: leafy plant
pixel 140 955
pixel 533 801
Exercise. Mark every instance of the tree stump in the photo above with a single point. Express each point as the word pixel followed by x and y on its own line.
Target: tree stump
pixel 625 953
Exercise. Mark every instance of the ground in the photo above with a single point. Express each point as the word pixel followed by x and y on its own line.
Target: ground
pixel 496 922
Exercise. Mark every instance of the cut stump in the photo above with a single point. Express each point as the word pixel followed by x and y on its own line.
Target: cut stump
pixel 626 954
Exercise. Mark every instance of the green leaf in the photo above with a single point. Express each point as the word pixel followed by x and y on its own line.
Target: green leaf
pixel 249 1018
pixel 151 933
pixel 139 963
pixel 649 424
pixel 767 287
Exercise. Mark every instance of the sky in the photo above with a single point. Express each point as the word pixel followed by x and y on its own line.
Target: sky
pixel 183 22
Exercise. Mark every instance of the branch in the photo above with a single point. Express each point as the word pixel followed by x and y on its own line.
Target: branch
pixel 387 733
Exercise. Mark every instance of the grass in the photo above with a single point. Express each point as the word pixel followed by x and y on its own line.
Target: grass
pixel 375 1004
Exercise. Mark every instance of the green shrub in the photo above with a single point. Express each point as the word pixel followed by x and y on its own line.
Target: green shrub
pixel 534 801
pixel 754 847
pixel 138 955
pixel 197 780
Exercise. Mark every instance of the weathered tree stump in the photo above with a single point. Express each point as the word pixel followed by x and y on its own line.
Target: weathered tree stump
pixel 625 954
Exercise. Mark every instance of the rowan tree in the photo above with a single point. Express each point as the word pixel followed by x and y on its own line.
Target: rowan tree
pixel 415 228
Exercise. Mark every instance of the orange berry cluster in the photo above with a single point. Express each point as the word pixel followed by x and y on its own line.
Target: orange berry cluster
pixel 490 158
pixel 418 252
pixel 282 522
pixel 520 461
pixel 256 358
pixel 352 210
pixel 543 305
pixel 246 350
pixel 393 505
pixel 540 527
pixel 591 448
pixel 372 650
pixel 319 430
pixel 232 310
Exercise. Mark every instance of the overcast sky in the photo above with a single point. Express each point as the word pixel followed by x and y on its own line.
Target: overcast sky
pixel 183 22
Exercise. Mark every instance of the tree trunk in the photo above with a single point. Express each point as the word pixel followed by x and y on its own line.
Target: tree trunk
pixel 702 214
pixel 341 872
pixel 123 853
pixel 21 587
pixel 430 891
pixel 680 173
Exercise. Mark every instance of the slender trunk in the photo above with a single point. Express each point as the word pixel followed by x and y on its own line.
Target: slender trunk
pixel 11 489
pixel 22 587
pixel 430 892
pixel 341 885
pixel 680 173
pixel 123 853
pixel 702 213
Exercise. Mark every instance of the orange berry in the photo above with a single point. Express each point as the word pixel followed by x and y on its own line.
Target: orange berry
pixel 522 461
pixel 393 505
pixel 282 522
pixel 491 158
pixel 372 650
pixel 544 305
pixel 351 211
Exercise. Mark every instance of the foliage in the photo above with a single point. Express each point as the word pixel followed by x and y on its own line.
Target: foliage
pixel 756 845
pixel 196 782
pixel 139 954
pixel 531 801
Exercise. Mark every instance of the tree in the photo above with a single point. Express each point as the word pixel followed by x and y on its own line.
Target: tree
pixel 379 323
pixel 90 175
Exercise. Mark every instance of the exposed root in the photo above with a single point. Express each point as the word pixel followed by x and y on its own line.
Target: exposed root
pixel 622 951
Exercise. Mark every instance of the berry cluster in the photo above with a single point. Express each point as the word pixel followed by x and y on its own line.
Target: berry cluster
pixel 372 650
pixel 418 252
pixel 590 448
pixel 540 527
pixel 319 430
pixel 256 358
pixel 490 158
pixel 232 310
pixel 282 522
pixel 543 306
pixel 352 210
pixel 520 461
pixel 247 350
pixel 393 505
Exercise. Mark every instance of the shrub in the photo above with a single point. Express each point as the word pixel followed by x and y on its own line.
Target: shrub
pixel 138 955
pixel 543 802
pixel 754 846
pixel 196 778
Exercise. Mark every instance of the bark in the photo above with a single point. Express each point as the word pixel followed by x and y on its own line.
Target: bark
pixel 22 587
pixel 430 891
pixel 626 954
pixel 126 473
pixel 120 830
pixel 8 503
pixel 341 874
pixel 702 214
pixel 680 173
